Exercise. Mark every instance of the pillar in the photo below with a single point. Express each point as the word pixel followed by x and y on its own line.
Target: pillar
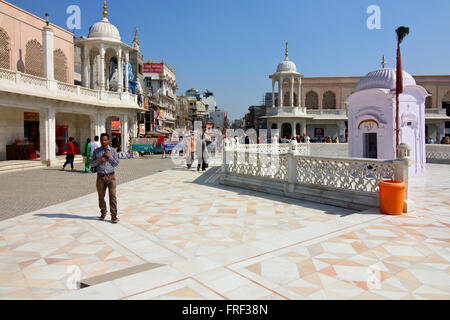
pixel 102 67
pixel 86 64
pixel 120 70
pixel 47 41
pixel 303 124
pixel 292 92
pixel 47 130
pixel 294 129
pixel 280 93
pixel 299 93
pixel 342 127
pixel 125 136
pixel 273 93
pixel 127 58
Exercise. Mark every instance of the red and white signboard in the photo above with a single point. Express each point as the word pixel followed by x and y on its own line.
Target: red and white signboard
pixel 153 68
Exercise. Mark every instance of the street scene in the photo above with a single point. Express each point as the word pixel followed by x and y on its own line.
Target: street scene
pixel 132 171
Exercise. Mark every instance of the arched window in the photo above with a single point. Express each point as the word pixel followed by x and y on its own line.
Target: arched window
pixel 329 100
pixel 5 61
pixel 312 100
pixel 34 57
pixel 60 65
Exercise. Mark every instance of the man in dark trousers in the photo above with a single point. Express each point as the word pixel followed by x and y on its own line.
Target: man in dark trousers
pixel 104 160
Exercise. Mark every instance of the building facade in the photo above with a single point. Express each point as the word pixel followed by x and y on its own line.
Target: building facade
pixel 40 105
pixel 321 111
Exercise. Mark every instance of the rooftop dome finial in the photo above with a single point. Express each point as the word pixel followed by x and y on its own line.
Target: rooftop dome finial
pixel 383 62
pixel 135 36
pixel 287 51
pixel 105 13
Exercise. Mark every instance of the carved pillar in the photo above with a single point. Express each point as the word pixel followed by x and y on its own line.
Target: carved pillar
pixel 273 93
pixel 86 62
pixel 120 70
pixel 280 93
pixel 292 92
pixel 127 57
pixel 102 67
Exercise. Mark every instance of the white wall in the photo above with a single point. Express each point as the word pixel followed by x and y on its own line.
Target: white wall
pixel 11 128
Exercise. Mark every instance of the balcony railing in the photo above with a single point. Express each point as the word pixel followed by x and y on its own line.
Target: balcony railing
pixel 21 82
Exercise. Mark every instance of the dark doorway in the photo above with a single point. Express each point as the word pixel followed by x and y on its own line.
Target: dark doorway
pixel 370 146
pixel 31 132
pixel 446 105
pixel 286 131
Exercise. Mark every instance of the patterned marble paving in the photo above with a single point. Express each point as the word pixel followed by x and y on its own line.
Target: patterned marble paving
pixel 229 243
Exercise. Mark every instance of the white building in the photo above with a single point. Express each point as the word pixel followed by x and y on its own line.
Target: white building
pixel 372 118
pixel 58 108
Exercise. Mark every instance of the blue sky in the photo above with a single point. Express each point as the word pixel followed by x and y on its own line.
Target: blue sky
pixel 231 47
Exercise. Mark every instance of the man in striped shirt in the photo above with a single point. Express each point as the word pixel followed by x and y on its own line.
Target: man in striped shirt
pixel 104 160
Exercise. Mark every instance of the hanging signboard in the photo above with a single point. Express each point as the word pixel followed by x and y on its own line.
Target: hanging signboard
pixel 31 116
pixel 146 144
pixel 115 125
pixel 153 68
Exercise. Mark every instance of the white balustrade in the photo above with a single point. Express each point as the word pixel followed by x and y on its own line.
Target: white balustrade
pixel 347 182
pixel 38 85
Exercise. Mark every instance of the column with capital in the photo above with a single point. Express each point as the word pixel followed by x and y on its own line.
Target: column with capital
pixel 120 70
pixel 86 62
pixel 102 67
pixel 127 58
pixel 273 93
pixel 303 127
pixel 280 92
pixel 292 92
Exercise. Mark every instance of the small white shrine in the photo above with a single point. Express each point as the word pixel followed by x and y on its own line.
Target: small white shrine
pixel 372 113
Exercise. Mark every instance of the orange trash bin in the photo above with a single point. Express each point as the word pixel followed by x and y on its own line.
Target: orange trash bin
pixel 392 195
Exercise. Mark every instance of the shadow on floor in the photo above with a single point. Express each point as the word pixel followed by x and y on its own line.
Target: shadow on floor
pixel 66 216
pixel 211 178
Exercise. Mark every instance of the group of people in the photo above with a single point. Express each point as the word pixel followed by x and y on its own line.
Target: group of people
pixel 194 146
pixel 444 140
pixel 87 152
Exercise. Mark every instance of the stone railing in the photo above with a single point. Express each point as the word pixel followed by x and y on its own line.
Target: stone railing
pixel 343 182
pixel 277 148
pixel 325 112
pixel 285 110
pixel 438 153
pixel 17 81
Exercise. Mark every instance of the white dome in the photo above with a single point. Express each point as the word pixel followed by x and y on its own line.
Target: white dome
pixel 287 66
pixel 104 29
pixel 384 79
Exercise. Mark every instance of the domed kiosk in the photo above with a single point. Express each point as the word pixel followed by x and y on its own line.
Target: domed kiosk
pixel 104 57
pixel 372 115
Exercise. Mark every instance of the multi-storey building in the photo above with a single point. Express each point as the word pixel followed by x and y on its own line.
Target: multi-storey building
pixel 316 106
pixel 39 102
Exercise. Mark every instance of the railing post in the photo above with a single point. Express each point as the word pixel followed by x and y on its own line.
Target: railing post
pixel 225 148
pixel 78 91
pixel 402 173
pixel 308 146
pixel 292 167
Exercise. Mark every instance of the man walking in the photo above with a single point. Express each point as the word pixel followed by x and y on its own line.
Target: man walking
pixel 70 154
pixel 95 145
pixel 104 160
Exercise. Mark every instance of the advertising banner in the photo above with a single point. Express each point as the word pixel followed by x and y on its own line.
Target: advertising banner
pixel 115 125
pixel 153 68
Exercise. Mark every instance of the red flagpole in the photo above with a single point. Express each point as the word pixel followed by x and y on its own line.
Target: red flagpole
pixel 398 91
